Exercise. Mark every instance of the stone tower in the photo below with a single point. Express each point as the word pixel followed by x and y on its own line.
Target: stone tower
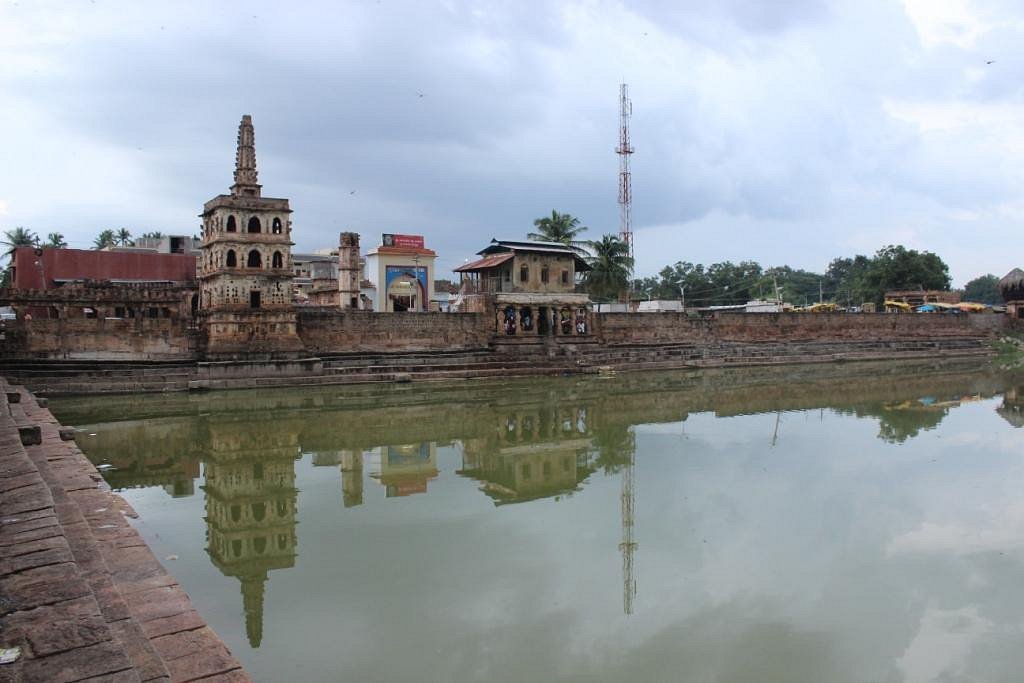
pixel 245 270
pixel 349 273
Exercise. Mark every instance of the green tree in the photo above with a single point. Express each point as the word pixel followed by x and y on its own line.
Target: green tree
pixel 19 237
pixel 123 237
pixel 105 239
pixel 896 267
pixel 55 240
pixel 610 268
pixel 845 279
pixel 559 227
pixel 983 290
pixel 152 235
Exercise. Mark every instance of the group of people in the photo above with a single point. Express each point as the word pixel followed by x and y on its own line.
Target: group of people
pixel 525 320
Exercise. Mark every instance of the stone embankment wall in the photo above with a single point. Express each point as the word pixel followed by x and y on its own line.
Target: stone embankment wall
pixel 100 339
pixel 654 328
pixel 83 596
pixel 333 331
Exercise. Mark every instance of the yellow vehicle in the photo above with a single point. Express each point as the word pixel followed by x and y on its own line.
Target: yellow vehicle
pixel 823 308
pixel 897 307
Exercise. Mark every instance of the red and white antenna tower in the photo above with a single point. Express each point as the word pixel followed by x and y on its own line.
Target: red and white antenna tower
pixel 624 150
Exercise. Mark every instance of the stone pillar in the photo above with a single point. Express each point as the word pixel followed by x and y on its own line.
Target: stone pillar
pixel 349 274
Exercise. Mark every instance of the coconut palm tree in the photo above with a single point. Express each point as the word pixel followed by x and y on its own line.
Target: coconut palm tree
pixel 55 240
pixel 611 267
pixel 19 237
pixel 124 237
pixel 558 227
pixel 105 239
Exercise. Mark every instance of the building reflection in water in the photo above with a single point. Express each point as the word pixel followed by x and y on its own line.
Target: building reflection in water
pixel 534 452
pixel 350 463
pixel 1012 409
pixel 251 507
pixel 404 469
pixel 516 449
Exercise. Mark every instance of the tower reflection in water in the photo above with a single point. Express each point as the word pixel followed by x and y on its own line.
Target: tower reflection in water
pixel 250 508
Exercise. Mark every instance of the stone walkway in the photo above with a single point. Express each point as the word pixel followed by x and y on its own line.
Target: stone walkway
pixel 81 593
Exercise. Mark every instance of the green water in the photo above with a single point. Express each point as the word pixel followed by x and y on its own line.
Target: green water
pixel 844 523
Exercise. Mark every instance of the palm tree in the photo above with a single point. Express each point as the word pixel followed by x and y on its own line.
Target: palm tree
pixel 105 239
pixel 558 227
pixel 152 235
pixel 610 267
pixel 55 240
pixel 19 237
pixel 124 237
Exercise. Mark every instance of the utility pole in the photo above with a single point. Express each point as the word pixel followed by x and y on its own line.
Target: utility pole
pixel 821 296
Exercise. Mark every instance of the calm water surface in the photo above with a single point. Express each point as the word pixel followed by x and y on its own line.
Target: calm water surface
pixel 853 523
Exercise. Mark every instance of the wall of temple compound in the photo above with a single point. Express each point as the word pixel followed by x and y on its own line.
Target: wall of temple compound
pixel 329 330
pixel 101 339
pixel 655 328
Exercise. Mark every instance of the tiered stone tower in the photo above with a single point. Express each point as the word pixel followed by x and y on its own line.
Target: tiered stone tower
pixel 245 271
pixel 349 272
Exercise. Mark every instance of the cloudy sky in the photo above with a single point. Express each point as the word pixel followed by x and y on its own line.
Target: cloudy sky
pixel 784 131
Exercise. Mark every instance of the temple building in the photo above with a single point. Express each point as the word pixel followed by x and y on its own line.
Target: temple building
pixel 529 287
pixel 245 270
pixel 400 273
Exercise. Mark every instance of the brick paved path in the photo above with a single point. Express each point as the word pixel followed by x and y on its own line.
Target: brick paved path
pixel 80 592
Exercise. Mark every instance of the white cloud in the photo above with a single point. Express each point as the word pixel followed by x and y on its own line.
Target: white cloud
pixel 946 21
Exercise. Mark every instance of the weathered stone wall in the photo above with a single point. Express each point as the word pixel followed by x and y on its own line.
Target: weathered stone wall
pixel 335 331
pixel 100 339
pixel 660 328
pixel 330 330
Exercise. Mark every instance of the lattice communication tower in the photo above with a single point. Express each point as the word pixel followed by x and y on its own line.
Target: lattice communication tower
pixel 624 150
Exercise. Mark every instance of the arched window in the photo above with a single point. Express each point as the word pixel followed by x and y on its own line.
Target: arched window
pixel 254 260
pixel 254 224
pixel 278 260
pixel 232 227
pixel 276 226
pixel 231 261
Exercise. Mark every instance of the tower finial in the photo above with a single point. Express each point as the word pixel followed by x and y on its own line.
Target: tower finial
pixel 246 180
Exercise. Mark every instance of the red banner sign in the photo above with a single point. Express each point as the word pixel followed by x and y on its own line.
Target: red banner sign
pixel 414 241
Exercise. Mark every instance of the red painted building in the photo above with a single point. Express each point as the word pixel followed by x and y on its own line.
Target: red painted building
pixel 50 268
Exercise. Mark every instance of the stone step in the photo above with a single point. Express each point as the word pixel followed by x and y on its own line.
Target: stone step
pixel 146 614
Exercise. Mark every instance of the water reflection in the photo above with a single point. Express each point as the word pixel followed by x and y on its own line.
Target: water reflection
pixel 1012 409
pixel 514 446
pixel 250 507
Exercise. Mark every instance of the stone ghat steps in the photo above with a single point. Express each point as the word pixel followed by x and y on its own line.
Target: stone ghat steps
pixel 83 385
pixel 452 366
pixel 785 352
pixel 85 598
pixel 416 358
pixel 21 370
